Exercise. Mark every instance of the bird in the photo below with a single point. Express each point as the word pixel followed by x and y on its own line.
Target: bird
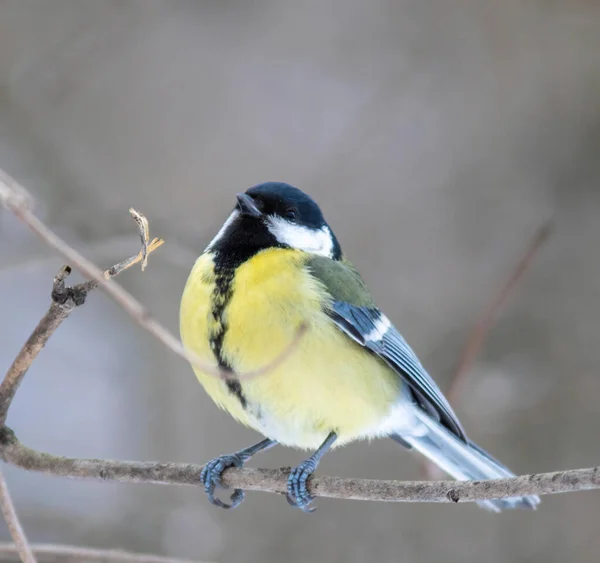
pixel 273 268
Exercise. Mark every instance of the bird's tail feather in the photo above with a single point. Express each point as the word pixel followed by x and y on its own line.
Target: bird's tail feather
pixel 464 461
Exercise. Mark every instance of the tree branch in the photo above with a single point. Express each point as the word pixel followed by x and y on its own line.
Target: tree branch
pixel 64 301
pixel 12 451
pixel 275 480
pixel 55 315
pixel 16 198
pixel 49 553
pixel 482 327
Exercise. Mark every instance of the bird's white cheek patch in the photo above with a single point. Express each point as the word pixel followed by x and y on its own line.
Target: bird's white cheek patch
pixel 315 241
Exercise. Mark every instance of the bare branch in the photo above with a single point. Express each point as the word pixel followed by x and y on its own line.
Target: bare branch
pixel 275 480
pixel 11 451
pixel 49 553
pixel 22 547
pixel 15 198
pixel 481 329
pixel 55 315
pixel 275 363
pixel 12 193
pixel 64 300
pixel 15 202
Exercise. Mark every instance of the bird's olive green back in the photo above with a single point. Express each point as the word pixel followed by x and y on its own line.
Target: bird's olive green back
pixel 341 279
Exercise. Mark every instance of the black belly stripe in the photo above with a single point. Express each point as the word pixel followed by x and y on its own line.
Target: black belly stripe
pixel 220 299
pixel 235 388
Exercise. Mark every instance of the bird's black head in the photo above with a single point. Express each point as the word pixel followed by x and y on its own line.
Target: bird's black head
pixel 274 214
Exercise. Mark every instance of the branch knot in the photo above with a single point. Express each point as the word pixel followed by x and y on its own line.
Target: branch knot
pixel 62 294
pixel 453 495
pixel 7 437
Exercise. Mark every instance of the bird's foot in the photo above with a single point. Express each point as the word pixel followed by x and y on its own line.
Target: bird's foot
pixel 210 477
pixel 297 492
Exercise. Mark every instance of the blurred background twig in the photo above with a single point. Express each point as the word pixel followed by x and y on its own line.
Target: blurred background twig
pixel 482 327
pixel 46 553
pixel 263 480
pixel 480 331
pixel 21 545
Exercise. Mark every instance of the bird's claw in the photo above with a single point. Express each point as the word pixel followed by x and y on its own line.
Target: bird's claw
pixel 297 492
pixel 211 475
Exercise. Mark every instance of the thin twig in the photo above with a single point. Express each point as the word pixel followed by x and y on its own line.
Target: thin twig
pixel 15 198
pixel 134 308
pixel 144 234
pixel 22 546
pixel 55 315
pixel 482 327
pixel 275 480
pixel 51 553
pixel 278 360
pixel 11 451
pixel 481 330
pixel 64 301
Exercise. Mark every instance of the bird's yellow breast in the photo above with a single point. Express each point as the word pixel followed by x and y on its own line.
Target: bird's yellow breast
pixel 328 382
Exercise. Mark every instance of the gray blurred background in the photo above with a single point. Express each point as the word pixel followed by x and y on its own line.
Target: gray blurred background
pixel 437 136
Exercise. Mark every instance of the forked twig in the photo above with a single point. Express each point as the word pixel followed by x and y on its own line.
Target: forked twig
pixel 15 198
pixel 64 301
pixel 12 451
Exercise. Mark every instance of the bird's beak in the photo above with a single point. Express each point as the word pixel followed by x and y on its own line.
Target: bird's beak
pixel 247 206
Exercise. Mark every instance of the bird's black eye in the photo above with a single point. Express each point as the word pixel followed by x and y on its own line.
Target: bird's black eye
pixel 290 214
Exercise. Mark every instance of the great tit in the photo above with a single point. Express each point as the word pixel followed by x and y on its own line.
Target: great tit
pixel 274 266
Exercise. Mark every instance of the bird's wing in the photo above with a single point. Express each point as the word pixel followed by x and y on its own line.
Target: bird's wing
pixel 370 328
pixel 355 314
